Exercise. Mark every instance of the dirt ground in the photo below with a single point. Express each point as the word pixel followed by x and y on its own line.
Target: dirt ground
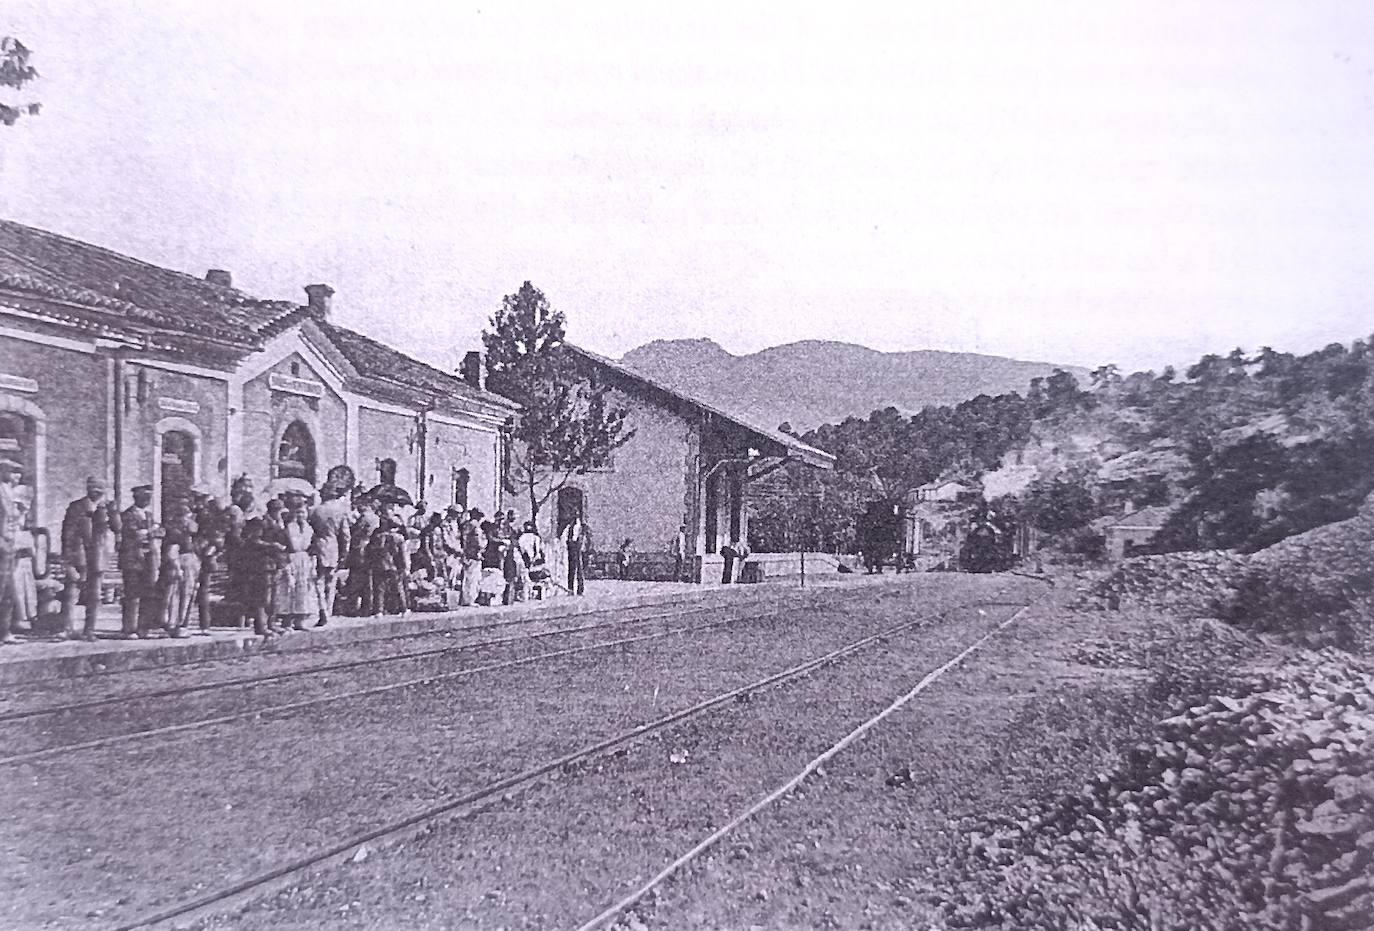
pixel 98 837
pixel 1041 709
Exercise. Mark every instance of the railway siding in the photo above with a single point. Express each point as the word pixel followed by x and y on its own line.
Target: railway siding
pixel 552 855
pixel 135 827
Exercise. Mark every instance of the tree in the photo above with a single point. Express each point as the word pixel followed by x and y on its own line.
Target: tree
pixel 1209 370
pixel 1058 503
pixel 1105 377
pixel 15 72
pixel 568 425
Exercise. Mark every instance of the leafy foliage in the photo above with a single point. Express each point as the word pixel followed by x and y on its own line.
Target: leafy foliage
pixel 1058 503
pixel 568 425
pixel 15 72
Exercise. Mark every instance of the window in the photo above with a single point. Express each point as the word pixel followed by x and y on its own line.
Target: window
pixel 296 453
pixel 460 488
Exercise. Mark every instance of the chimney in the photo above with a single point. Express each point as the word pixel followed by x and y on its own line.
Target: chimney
pixel 219 278
pixel 471 369
pixel 319 296
pixel 1130 507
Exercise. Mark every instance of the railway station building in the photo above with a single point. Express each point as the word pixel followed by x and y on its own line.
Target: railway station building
pixel 115 368
pixel 689 464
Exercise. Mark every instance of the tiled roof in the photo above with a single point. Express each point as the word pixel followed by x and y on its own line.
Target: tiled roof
pixel 805 452
pixel 130 293
pixel 377 361
pixel 1145 518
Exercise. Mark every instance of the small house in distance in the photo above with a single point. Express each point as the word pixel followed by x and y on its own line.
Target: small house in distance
pixel 941 490
pixel 1132 529
pixel 688 464
pixel 936 518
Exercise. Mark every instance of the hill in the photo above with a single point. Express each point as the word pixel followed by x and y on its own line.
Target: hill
pixel 819 381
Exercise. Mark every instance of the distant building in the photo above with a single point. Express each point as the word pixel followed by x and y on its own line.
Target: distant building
pixel 935 523
pixel 689 463
pixel 943 490
pixel 1132 529
pixel 139 375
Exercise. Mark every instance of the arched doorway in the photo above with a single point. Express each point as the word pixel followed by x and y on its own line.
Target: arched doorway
pixel 571 503
pixel 178 474
pixel 295 454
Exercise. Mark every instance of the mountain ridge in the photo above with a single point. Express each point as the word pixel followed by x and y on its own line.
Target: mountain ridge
pixel 809 382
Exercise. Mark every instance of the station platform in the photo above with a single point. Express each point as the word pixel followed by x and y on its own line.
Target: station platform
pixel 41 657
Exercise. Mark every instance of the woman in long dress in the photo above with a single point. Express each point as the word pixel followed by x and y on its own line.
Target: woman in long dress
pixel 25 587
pixel 297 597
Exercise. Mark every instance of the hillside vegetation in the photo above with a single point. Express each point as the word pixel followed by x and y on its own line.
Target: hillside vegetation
pixel 1246 449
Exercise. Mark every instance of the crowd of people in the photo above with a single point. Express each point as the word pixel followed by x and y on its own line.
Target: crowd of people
pixel 290 564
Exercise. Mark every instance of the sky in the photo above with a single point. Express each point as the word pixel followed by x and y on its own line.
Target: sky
pixel 1135 183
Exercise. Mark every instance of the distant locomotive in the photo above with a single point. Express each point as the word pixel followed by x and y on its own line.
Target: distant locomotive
pixel 880 533
pixel 989 545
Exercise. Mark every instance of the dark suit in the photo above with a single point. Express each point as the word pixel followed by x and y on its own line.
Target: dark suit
pixel 86 531
pixel 138 566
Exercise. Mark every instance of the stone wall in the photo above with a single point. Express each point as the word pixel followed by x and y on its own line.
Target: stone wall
pixel 158 401
pixel 70 408
pixel 644 495
pixel 267 413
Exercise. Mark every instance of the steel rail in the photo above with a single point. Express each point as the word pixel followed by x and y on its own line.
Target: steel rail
pixel 790 785
pixel 239 681
pixel 413 824
pixel 275 710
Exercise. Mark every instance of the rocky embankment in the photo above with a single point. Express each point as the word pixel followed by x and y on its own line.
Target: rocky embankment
pixel 1315 587
pixel 1253 810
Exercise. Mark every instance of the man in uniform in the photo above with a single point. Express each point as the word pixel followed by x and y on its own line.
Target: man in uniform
pixel 87 528
pixel 139 557
pixel 11 517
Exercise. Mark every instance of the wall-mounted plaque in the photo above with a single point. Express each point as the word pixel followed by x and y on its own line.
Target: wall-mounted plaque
pixel 178 405
pixel 18 383
pixel 290 384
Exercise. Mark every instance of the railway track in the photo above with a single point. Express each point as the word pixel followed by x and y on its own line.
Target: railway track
pixel 340 849
pixel 277 710
pixel 607 915
pixel 171 692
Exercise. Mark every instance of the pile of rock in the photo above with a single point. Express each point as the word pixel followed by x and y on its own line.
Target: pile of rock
pixel 1254 810
pixel 1182 583
pixel 1317 587
pixel 1107 654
